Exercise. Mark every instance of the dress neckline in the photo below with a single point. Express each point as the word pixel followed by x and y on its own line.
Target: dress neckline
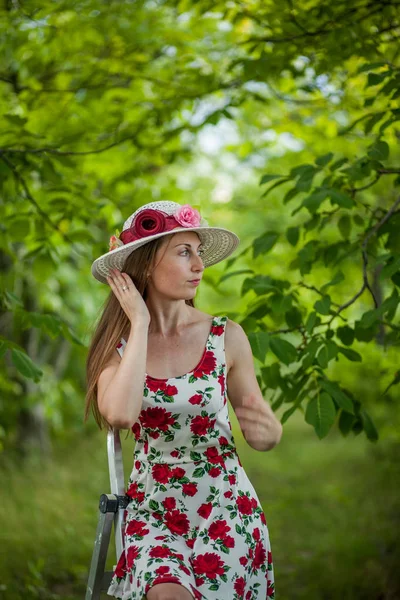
pixel 195 368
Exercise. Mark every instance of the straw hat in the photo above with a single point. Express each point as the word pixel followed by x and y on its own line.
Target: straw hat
pixel 155 220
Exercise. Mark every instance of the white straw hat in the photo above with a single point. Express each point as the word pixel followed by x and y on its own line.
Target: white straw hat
pixel 155 220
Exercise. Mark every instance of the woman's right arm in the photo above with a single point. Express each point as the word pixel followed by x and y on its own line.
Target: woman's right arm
pixel 120 384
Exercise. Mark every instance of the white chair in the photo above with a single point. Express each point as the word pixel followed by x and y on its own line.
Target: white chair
pixel 112 509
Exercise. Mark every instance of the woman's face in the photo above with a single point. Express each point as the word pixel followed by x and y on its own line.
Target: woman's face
pixel 177 265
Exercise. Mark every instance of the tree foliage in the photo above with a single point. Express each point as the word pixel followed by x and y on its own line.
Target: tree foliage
pixel 103 105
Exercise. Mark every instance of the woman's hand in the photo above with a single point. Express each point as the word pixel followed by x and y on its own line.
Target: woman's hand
pixel 260 427
pixel 130 299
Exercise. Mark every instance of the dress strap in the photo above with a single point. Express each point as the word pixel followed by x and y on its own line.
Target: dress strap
pixel 216 339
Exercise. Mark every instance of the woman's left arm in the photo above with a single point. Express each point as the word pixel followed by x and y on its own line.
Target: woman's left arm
pixel 261 429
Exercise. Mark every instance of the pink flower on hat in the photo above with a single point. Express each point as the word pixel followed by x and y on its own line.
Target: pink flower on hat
pixel 188 216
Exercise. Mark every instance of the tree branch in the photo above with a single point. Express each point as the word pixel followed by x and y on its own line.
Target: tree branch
pixel 366 284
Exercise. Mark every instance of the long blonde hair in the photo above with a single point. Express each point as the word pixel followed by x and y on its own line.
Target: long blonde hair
pixel 113 323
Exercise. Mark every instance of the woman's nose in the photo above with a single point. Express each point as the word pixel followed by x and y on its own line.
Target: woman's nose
pixel 198 264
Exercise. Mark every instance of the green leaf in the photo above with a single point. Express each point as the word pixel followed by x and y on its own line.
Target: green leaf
pixel 293 317
pixel 323 305
pixel 259 342
pixel 379 151
pixel 312 321
pixel 350 354
pixel 346 421
pixel 390 268
pixel 268 178
pixel 344 225
pixel 369 426
pixel 234 274
pixel 338 395
pixel 341 198
pixel 283 350
pixel 338 278
pixel 313 202
pixel 290 195
pixel 345 335
pixel 321 414
pixel 264 243
pixel 25 365
pixel 288 413
pixel 322 161
pixel 375 79
pixel 292 235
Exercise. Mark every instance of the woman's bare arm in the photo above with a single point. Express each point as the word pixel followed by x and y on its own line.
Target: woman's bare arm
pixel 120 384
pixel 260 427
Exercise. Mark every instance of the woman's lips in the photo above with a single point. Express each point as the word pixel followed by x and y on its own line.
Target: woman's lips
pixel 195 281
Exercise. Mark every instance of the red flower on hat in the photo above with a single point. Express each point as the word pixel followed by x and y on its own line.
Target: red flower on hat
pixel 147 222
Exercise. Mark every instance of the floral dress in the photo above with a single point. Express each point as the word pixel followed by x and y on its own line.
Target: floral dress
pixel 194 517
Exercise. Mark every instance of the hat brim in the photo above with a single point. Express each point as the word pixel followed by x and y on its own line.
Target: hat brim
pixel 218 243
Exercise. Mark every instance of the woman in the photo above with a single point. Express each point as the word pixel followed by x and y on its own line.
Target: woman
pixel 157 365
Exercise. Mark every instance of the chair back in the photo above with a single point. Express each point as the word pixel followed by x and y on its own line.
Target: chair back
pixel 117 484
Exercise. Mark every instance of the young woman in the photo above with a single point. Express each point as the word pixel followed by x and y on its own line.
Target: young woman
pixel 159 366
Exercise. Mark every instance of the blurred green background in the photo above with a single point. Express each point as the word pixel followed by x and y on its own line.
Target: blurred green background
pixel 278 121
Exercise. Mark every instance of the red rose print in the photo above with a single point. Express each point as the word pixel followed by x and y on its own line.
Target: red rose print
pixel 232 479
pixel 161 473
pixel 190 543
pixel 262 518
pixel 169 503
pixel 156 418
pixel 178 473
pixel 162 579
pixel 131 556
pixel 174 453
pixel 256 534
pixel 213 456
pixel 243 561
pixel 177 522
pixel 218 529
pixel 135 527
pixel 196 399
pixel 154 434
pixel 217 329
pixel 208 564
pixel 162 570
pixel 185 569
pixel 134 493
pixel 178 555
pixel 159 552
pixel 270 589
pixel 221 381
pixel 197 595
pixel 136 430
pixel 189 489
pixel 228 494
pixel 223 441
pixel 170 390
pixel 137 465
pixel 214 472
pixel 146 447
pixel 239 586
pixel 259 556
pixel 244 505
pixel 199 581
pixel 160 537
pixel 229 541
pixel 157 516
pixel 120 569
pixel 204 510
pixel 248 595
pixel 269 558
pixel 206 366
pixel 200 425
pixel 254 503
pixel 155 385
